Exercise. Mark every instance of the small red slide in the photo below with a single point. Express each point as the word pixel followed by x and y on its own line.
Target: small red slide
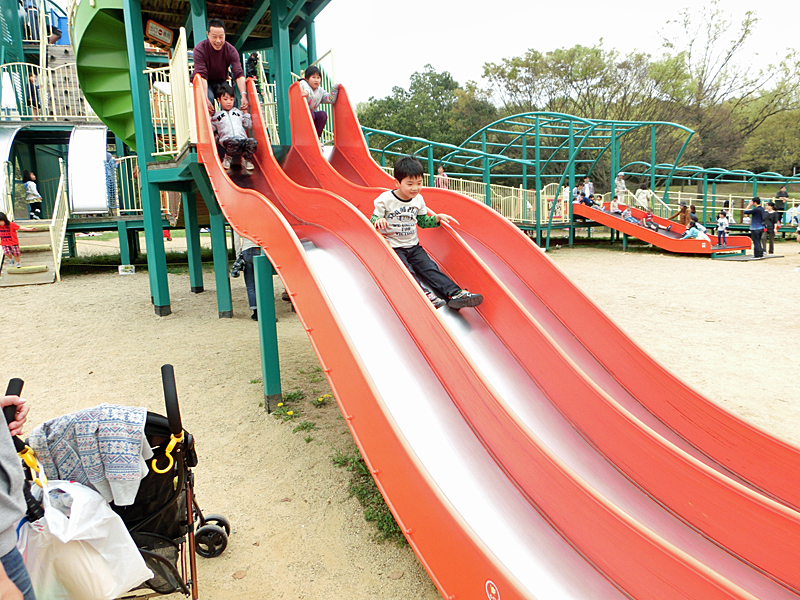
pixel 666 240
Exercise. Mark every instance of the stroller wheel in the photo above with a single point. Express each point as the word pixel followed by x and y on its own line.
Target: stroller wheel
pixel 219 521
pixel 210 541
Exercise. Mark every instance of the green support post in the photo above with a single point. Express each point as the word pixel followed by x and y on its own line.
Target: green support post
pixel 311 41
pixel 219 248
pixel 189 202
pixel 145 146
pixel 624 242
pixel 124 246
pixel 538 183
pixel 613 174
pixel 281 67
pixel 571 230
pixel 705 197
pixel 199 16
pixel 295 51
pixel 755 187
pixel 431 168
pixel 487 178
pixel 652 158
pixel 267 333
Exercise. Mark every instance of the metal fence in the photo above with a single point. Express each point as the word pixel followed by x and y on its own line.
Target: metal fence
pixel 515 204
pixel 43 94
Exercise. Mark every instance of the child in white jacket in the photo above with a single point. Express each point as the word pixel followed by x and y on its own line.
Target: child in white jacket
pixel 231 125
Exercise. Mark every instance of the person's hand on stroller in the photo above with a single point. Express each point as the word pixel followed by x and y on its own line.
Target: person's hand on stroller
pixel 20 416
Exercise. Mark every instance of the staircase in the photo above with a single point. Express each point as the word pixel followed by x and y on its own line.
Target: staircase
pixel 37 257
pixel 67 98
pixel 101 56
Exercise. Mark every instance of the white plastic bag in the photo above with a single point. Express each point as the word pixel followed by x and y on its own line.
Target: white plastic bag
pixel 80 549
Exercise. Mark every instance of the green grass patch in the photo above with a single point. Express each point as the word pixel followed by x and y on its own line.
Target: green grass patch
pixel 363 487
pixel 177 262
pixel 305 426
pixel 294 396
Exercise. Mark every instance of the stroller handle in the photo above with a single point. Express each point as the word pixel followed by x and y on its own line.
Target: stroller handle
pixel 14 388
pixel 171 399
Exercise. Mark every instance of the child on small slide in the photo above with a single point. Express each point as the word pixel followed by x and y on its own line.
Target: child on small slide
pixel 315 95
pixel 9 240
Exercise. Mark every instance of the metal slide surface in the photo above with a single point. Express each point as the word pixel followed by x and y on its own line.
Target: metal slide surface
pixel 504 346
pixel 87 170
pixel 666 240
pixel 597 346
pixel 494 492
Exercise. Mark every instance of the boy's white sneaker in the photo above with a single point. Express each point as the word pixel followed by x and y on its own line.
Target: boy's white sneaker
pixel 246 164
pixel 226 162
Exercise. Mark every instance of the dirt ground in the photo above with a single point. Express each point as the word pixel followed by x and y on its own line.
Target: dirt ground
pixel 728 328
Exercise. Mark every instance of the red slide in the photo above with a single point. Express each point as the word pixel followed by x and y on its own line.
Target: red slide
pixel 666 240
pixel 491 507
pixel 591 339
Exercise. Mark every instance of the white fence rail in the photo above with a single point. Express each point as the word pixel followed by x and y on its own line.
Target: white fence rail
pixel 58 225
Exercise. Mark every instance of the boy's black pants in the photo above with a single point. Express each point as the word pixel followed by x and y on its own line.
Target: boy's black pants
pixel 420 265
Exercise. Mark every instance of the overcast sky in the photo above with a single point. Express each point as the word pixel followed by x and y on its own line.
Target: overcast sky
pixel 378 44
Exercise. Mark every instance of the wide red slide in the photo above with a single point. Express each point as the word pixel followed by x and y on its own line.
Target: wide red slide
pixel 512 472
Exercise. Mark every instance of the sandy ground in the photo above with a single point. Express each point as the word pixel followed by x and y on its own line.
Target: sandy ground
pixel 727 328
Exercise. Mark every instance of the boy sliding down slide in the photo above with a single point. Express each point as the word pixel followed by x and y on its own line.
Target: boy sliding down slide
pixel 397 215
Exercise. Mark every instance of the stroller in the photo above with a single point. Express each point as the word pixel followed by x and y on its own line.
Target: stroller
pixel 164 520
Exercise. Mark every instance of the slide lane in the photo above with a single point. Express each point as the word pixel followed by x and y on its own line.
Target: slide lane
pixel 305 163
pixel 666 240
pixel 598 346
pixel 435 434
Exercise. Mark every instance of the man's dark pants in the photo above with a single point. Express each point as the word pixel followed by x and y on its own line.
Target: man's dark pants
pixel 755 235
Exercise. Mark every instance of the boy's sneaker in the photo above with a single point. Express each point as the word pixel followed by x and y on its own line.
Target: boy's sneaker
pixel 464 299
pixel 285 296
pixel 246 164
pixel 435 300
pixel 226 162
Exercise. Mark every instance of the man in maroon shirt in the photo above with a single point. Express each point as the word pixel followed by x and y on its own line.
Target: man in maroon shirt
pixel 212 59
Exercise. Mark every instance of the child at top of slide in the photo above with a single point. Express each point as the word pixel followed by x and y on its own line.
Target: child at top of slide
pixel 397 215
pixel 229 124
pixel 315 95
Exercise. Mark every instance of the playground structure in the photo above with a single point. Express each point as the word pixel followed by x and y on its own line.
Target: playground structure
pixel 532 450
pixel 546 152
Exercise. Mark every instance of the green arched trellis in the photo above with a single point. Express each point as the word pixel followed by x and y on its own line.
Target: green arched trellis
pixel 538 148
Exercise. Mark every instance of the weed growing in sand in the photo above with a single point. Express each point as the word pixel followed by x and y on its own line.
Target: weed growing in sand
pixel 283 412
pixel 305 426
pixel 308 439
pixel 293 396
pixel 256 380
pixel 322 400
pixel 363 487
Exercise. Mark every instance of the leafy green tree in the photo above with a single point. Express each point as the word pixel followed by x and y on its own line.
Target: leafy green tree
pixel 434 107
pixel 775 146
pixel 723 101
